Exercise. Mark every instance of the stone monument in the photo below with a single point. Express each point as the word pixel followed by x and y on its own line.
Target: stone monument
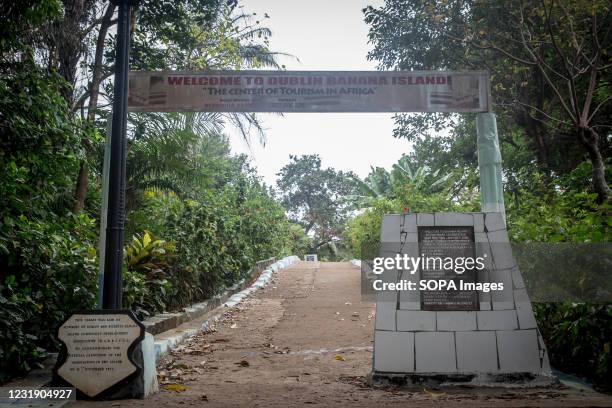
pixel 449 336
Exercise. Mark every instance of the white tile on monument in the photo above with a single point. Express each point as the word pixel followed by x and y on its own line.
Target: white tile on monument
pixel 524 310
pixel 410 299
pixel 456 321
pixel 544 361
pixel 518 351
pixel 497 320
pixel 409 305
pixel 435 352
pixel 385 315
pixel 502 299
pixel 412 237
pixel 478 222
pixel 545 364
pixel 499 236
pixel 411 250
pixel 484 297
pixel 410 223
pixel 425 219
pixel 393 352
pixel 454 219
pixel 480 237
pixel 416 320
pixel 502 255
pixel 494 221
pixel 517 278
pixel 476 352
pixel 390 228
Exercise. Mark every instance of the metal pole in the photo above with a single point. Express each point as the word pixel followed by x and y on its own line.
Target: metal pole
pixel 489 163
pixel 113 256
pixel 104 210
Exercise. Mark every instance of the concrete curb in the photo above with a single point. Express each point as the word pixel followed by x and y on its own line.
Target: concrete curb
pixel 167 321
pixel 163 346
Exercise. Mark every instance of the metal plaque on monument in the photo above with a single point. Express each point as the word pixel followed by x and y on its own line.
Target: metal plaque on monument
pixel 436 244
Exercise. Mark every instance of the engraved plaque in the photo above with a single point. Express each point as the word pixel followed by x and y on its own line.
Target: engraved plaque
pixel 444 243
pixel 98 349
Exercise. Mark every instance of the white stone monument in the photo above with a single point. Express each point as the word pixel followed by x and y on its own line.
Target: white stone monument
pixel 473 337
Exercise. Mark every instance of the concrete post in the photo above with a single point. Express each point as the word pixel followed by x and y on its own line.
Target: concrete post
pixel 489 163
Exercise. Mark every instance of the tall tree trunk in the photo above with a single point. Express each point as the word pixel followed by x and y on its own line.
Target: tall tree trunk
pixel 82 182
pixel 590 140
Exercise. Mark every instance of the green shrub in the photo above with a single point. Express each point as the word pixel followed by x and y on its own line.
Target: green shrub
pixel 147 264
pixel 578 337
pixel 49 269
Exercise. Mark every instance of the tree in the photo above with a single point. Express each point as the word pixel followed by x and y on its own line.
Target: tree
pixel 381 183
pixel 316 198
pixel 550 66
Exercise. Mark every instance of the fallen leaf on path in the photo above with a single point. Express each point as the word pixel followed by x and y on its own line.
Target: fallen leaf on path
pixel 175 387
pixel 339 358
pixel 434 394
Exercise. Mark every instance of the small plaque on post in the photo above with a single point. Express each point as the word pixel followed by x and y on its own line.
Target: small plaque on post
pixel 98 350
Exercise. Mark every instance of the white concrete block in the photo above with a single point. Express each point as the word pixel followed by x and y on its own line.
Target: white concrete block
pixel 502 254
pixel 544 361
pixel 480 237
pixel 497 320
pixel 476 352
pixel 411 237
pixel 494 221
pixel 410 223
pixel 518 351
pixel 389 249
pixel 410 299
pixel 390 228
pixel 393 352
pixel 456 321
pixel 454 219
pixel 416 320
pixel 484 297
pixel 435 352
pixel 483 250
pixel 502 299
pixel 409 305
pixel 478 222
pixel 499 236
pixel 524 311
pixel 517 279
pixel 425 220
pixel 385 315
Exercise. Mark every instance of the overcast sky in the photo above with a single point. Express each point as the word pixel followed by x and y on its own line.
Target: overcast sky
pixel 324 35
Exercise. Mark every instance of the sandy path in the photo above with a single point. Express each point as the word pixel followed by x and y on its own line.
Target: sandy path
pixel 306 340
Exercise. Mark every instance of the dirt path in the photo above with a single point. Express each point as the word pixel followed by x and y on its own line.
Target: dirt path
pixel 307 340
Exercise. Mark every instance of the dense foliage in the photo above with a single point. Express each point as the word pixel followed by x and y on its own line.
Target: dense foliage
pixel 198 218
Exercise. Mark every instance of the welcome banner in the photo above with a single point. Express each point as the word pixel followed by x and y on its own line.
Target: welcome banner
pixel 309 91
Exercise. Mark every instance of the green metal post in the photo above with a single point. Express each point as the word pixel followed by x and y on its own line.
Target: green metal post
pixel 489 163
